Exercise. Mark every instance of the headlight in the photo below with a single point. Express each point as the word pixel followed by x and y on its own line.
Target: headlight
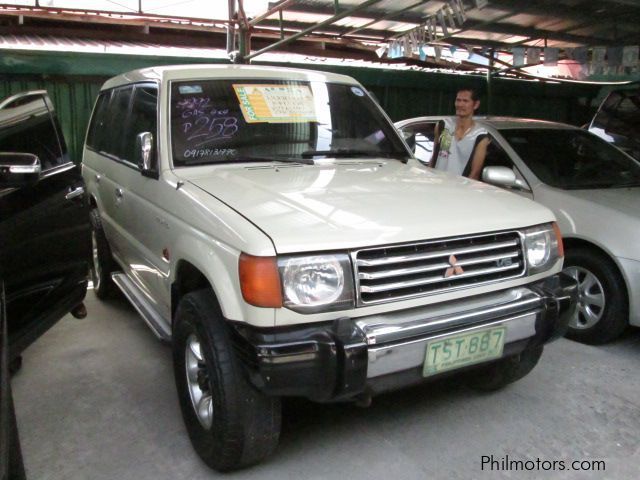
pixel 543 246
pixel 318 283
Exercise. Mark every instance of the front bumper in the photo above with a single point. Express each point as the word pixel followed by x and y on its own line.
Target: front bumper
pixel 347 357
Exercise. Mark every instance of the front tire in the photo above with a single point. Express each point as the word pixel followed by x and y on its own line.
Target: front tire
pixel 603 307
pixel 231 424
pixel 505 371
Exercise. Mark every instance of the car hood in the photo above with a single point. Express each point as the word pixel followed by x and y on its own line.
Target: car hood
pixel 350 204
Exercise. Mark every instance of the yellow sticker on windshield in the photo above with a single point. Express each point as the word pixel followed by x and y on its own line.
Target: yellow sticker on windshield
pixel 276 103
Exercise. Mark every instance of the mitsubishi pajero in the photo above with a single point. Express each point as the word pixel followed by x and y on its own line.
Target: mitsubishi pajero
pixel 272 226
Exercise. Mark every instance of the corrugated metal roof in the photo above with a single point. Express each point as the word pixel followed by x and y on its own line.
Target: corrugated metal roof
pixel 500 25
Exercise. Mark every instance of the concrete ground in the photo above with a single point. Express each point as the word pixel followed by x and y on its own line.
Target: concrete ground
pixel 95 400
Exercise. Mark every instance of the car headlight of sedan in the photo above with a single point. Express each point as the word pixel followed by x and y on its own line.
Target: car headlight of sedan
pixel 316 283
pixel 543 247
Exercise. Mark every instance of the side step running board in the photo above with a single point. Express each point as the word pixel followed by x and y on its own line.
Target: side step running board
pixel 149 314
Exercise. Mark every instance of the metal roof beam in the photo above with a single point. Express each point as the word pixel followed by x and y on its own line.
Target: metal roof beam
pixel 533 33
pixel 310 29
pixel 388 16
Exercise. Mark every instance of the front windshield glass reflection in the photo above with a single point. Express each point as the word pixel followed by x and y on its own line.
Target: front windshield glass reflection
pixel 215 121
pixel 573 159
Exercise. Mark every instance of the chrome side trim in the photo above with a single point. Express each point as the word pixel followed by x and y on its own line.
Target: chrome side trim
pixel 152 318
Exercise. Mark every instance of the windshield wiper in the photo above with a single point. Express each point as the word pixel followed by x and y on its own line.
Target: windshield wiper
pixel 346 152
pixel 262 159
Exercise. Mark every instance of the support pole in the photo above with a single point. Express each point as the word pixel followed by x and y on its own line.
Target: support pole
pixel 231 33
pixel 490 83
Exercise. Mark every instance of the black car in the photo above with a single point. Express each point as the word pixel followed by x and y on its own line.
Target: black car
pixel 45 242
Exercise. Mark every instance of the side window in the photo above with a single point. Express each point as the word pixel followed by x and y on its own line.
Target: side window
pixel 28 126
pixel 108 127
pixel 496 156
pixel 95 136
pixel 424 133
pixel 143 118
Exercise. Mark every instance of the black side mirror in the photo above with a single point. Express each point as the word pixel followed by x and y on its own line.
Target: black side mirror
pixel 145 153
pixel 19 169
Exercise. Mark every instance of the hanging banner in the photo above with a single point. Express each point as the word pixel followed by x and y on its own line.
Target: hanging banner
pixel 533 56
pixel 614 56
pixel 630 56
pixel 581 55
pixel 518 56
pixel 551 57
pixel 598 56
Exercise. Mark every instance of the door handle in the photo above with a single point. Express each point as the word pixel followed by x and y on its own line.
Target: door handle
pixel 118 193
pixel 74 193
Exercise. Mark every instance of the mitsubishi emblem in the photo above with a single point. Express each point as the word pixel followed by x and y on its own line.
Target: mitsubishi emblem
pixel 454 269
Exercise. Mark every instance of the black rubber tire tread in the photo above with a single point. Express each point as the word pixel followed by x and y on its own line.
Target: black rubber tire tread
pixel 615 317
pixel 103 287
pixel 246 423
pixel 503 372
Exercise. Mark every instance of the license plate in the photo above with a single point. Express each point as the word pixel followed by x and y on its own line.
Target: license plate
pixel 457 351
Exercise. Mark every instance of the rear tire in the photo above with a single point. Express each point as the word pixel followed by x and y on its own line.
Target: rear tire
pixel 231 424
pixel 102 263
pixel 503 372
pixel 603 305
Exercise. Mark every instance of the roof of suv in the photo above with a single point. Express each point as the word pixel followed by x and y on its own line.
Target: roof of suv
pixel 208 71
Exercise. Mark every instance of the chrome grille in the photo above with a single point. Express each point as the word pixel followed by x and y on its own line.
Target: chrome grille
pixel 397 272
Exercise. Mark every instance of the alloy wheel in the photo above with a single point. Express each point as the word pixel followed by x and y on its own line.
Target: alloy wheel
pixel 591 298
pixel 198 382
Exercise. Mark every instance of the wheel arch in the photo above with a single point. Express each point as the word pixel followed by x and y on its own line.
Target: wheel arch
pixel 574 242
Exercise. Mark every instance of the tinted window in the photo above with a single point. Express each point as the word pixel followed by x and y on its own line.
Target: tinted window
pixel 573 159
pixel 27 126
pixel 96 135
pixel 142 119
pixel 238 120
pixel 108 128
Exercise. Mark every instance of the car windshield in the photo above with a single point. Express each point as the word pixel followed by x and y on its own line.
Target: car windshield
pixel 573 159
pixel 216 121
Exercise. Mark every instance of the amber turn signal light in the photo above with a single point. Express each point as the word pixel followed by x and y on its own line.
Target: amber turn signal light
pixel 260 281
pixel 556 230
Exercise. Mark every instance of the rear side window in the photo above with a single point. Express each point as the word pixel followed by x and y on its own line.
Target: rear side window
pixel 28 126
pixel 107 130
pixel 120 115
pixel 98 122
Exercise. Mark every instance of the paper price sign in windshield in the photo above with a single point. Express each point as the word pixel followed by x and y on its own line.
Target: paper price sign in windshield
pixel 276 103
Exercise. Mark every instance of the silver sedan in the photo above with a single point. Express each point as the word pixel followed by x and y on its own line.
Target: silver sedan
pixel 594 190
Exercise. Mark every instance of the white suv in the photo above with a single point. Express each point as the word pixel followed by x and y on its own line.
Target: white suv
pixel 273 226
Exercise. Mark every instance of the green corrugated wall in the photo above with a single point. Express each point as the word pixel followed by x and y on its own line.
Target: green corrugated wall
pixel 73 81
